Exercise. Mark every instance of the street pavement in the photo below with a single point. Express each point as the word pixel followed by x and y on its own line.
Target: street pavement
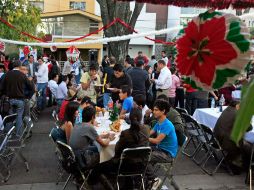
pixel 40 153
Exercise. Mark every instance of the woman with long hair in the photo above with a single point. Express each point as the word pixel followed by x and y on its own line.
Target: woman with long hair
pixel 136 136
pixel 71 112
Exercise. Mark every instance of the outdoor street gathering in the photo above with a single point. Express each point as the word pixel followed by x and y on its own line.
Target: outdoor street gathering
pixel 126 94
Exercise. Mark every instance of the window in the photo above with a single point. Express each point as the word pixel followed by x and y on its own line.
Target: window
pixel 78 5
pixel 39 4
pixel 53 26
pixel 93 27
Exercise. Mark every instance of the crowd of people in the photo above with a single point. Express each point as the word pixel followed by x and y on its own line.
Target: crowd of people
pixel 145 91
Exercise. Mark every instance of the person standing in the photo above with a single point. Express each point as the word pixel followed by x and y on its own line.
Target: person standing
pixel 127 64
pixel 42 83
pixel 141 57
pixel 105 62
pixel 31 66
pixel 164 81
pixel 118 79
pixel 152 61
pixel 14 85
pixel 140 79
pixel 174 86
pixel 88 82
pixel 164 57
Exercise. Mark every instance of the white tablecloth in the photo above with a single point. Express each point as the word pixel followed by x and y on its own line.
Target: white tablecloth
pixel 236 94
pixel 209 117
pixel 106 153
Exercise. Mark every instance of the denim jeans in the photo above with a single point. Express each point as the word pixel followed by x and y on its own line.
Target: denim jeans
pixel 17 106
pixel 41 102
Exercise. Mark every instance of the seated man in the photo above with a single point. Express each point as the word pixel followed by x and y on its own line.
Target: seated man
pixel 83 137
pixel 237 156
pixel 165 143
pixel 85 102
pixel 125 96
pixel 172 116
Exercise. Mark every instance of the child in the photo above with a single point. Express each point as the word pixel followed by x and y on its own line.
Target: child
pixel 125 96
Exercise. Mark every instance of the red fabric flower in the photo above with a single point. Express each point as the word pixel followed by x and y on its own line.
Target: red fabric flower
pixel 202 48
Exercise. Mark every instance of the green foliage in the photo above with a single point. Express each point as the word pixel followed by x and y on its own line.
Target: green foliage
pixel 20 14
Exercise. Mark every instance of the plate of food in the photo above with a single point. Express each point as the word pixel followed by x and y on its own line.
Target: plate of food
pixel 116 126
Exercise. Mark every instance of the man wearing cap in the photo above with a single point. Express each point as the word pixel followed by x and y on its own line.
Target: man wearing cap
pixel 88 82
pixel 140 79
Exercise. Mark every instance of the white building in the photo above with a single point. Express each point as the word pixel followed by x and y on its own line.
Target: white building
pixel 146 22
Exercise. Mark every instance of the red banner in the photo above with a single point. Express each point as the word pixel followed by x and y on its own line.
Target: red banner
pixel 85 36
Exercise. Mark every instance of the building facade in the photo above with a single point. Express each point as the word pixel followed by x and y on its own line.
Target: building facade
pixel 65 20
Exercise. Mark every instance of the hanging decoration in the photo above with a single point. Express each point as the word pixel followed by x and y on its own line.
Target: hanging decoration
pixel 53 48
pixel 217 4
pixel 2 46
pixel 117 20
pixel 72 54
pixel 213 50
pixel 27 50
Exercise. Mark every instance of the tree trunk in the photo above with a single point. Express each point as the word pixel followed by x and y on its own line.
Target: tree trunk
pixel 110 10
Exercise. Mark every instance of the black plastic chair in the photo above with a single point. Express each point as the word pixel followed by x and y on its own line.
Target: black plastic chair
pixel 216 152
pixel 2 154
pixel 181 110
pixel 194 132
pixel 70 164
pixel 168 167
pixel 15 145
pixel 138 159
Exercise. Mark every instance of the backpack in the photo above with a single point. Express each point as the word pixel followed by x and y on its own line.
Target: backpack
pixel 5 106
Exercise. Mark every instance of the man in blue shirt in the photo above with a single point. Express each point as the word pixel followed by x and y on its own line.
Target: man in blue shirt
pixel 166 139
pixel 125 96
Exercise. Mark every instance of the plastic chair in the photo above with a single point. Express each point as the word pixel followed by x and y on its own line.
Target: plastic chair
pixel 194 132
pixel 2 154
pixel 181 110
pixel 168 167
pixel 69 164
pixel 15 145
pixel 216 152
pixel 138 159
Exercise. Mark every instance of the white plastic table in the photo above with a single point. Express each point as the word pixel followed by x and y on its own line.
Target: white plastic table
pixel 106 153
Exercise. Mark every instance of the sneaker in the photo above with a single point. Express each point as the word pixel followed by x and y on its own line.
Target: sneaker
pixel 156 183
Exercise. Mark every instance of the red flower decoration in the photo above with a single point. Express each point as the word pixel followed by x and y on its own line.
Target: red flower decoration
pixel 26 50
pixel 202 48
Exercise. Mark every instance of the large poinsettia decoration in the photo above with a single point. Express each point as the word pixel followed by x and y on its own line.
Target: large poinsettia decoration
pixel 213 49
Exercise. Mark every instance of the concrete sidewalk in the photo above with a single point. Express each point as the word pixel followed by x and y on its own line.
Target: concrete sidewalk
pixel 40 153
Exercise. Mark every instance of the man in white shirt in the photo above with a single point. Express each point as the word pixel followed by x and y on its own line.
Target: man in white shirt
pixel 164 82
pixel 42 83
pixel 62 90
pixel 53 84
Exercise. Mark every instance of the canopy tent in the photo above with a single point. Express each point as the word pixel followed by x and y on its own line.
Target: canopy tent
pixel 217 4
